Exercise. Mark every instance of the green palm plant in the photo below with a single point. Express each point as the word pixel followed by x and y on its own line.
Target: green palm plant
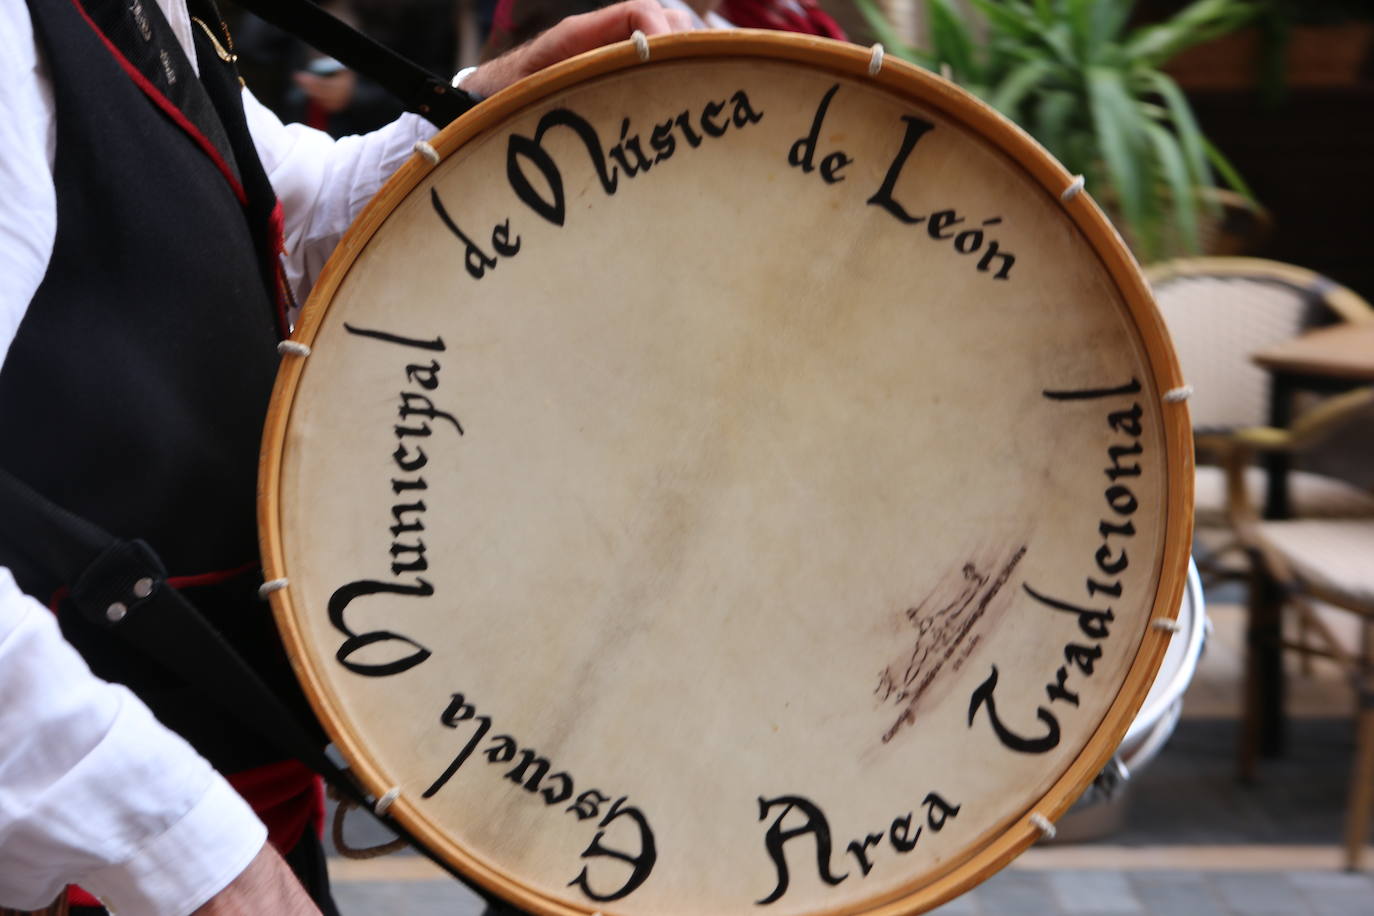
pixel 1092 91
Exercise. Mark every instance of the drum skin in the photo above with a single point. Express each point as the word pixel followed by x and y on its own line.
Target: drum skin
pixel 733 482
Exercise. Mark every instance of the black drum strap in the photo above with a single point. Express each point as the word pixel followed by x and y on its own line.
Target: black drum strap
pixel 42 544
pixel 416 88
pixel 121 586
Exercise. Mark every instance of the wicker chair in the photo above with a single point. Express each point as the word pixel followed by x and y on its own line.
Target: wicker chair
pixel 1302 563
pixel 1220 311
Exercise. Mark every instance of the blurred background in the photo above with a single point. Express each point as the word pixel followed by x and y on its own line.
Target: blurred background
pixel 1231 142
pixel 1283 88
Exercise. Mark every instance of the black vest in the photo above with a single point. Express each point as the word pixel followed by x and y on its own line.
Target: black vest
pixel 135 391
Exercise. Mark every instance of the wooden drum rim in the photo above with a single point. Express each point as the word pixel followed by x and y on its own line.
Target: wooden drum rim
pixel 1015 831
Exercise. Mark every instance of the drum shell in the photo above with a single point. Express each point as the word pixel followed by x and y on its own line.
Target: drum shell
pixel 299 610
pixel 1104 807
pixel 1163 704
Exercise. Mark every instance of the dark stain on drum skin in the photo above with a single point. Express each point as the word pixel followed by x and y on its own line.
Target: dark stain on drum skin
pixel 944 624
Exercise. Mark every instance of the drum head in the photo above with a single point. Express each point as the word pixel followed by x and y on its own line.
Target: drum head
pixel 728 483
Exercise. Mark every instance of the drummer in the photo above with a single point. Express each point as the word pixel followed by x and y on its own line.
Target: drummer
pixel 146 202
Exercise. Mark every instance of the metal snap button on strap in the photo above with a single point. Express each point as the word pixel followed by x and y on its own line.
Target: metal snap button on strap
pixel 117 611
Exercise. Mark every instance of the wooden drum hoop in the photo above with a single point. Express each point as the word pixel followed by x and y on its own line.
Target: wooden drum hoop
pixel 1000 835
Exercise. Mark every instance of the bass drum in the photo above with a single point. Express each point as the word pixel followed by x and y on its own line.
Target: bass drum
pixel 728 474
pixel 1163 705
pixel 1101 809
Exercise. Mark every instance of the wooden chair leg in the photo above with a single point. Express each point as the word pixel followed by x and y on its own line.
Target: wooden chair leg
pixel 1361 793
pixel 1248 739
pixel 1247 743
pixel 1304 642
pixel 1361 799
pixel 1262 717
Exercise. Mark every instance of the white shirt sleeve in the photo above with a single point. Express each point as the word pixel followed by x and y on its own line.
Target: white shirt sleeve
pixel 94 791
pixel 323 183
pixel 28 203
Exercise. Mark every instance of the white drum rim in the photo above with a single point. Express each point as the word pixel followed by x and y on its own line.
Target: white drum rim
pixel 1192 616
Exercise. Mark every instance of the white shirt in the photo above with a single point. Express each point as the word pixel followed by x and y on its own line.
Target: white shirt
pixel 94 791
pixel 712 19
pixel 322 183
pixel 92 788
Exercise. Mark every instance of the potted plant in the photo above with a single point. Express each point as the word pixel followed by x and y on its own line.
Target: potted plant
pixel 1092 90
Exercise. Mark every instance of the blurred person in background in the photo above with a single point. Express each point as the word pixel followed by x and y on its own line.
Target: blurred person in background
pixel 302 85
pixel 517 21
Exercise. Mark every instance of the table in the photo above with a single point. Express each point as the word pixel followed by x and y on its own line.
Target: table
pixel 1342 352
pixel 1327 360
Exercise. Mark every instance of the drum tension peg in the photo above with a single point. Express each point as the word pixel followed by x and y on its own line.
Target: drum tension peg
pixel 641 45
pixel 430 154
pixel 270 586
pixel 1167 623
pixel 1178 395
pixel 875 60
pixel 383 804
pixel 293 348
pixel 1043 824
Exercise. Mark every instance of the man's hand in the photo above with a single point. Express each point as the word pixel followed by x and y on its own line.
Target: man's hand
pixel 573 36
pixel 266 886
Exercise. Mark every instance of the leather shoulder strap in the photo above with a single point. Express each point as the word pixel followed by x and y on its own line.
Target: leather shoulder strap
pixel 419 90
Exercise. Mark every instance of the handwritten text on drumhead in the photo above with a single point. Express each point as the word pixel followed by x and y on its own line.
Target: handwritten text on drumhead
pixel 811 822
pixel 965 242
pixel 536 176
pixel 1110 560
pixel 531 773
pixel 420 417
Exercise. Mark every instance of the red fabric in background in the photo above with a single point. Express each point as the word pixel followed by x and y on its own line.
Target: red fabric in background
pixel 77 897
pixel 802 16
pixel 288 796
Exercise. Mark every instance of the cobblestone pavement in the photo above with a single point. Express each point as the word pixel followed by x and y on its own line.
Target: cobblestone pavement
pixel 1168 893
pixel 1014 892
pixel 1192 842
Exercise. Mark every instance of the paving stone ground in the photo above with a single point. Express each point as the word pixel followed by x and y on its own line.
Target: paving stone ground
pixel 1010 893
pixel 1187 801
